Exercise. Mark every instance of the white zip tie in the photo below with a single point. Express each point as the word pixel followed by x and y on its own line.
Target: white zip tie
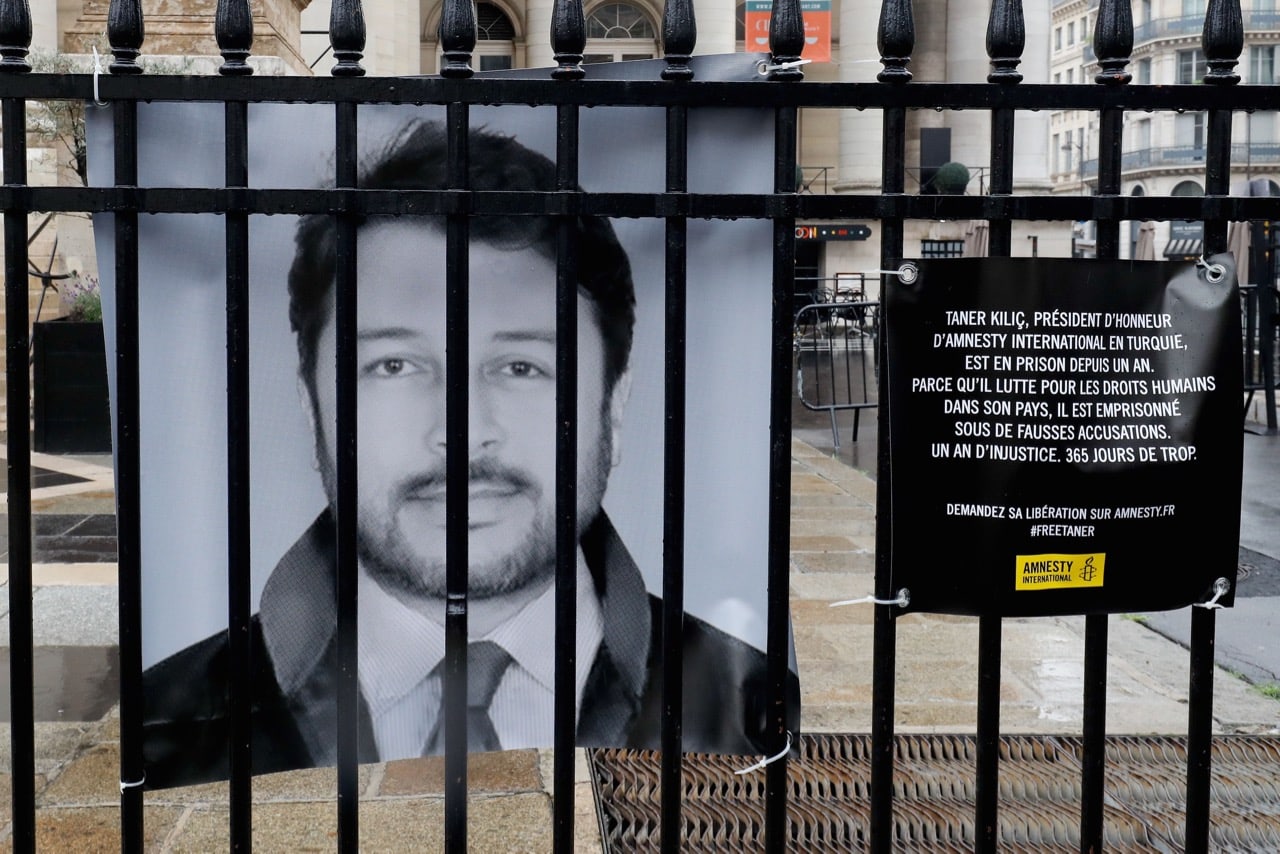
pixel 1220 588
pixel 907 273
pixel 124 785
pixel 763 67
pixel 1213 273
pixel 97 70
pixel 768 760
pixel 903 600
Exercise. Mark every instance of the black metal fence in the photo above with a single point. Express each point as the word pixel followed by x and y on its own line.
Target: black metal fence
pixel 893 95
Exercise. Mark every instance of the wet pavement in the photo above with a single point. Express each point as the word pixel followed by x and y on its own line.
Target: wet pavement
pixel 832 558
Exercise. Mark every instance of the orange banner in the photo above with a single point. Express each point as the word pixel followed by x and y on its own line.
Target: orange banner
pixel 817 28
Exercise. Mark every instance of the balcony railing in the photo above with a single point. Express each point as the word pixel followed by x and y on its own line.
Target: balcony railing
pixel 1265 153
pixel 1187 25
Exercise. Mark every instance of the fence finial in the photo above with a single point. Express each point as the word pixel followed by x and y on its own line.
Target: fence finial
pixel 15 36
pixel 568 39
pixel 1222 41
pixel 786 40
pixel 1006 37
pixel 457 37
pixel 679 35
pixel 896 39
pixel 346 35
pixel 233 29
pixel 1113 41
pixel 125 34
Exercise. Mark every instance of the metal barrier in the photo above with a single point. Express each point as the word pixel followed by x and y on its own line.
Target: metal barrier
pixel 837 368
pixel 892 95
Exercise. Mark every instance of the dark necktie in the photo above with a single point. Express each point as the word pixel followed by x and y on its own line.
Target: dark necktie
pixel 486 664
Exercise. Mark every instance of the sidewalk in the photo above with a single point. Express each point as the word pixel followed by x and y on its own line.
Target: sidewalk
pixel 832 550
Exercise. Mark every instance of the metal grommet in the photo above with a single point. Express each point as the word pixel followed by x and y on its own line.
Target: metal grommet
pixel 1213 273
pixel 908 273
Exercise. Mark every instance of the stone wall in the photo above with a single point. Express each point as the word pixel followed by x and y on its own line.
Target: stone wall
pixel 185 27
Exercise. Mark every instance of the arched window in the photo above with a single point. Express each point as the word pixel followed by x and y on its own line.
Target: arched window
pixel 620 31
pixel 1188 188
pixel 495 38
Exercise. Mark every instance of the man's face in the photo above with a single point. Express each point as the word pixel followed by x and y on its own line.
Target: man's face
pixel 400 383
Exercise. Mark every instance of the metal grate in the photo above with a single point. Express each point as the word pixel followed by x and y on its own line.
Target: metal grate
pixel 828 797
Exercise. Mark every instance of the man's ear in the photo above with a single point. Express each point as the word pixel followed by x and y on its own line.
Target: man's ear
pixel 618 397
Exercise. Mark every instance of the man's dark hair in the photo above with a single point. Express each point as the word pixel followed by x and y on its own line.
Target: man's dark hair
pixel 416 159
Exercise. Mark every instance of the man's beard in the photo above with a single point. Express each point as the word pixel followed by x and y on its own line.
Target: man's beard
pixel 391 560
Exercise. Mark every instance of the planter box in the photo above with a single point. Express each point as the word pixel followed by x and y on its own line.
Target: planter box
pixel 71 407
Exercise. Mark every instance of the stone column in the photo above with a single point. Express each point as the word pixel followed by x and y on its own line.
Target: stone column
pixel 860 156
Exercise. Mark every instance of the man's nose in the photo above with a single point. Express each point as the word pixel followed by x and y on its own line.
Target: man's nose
pixel 484 429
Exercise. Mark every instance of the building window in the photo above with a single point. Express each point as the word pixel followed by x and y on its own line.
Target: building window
pixel 1141 139
pixel 1143 75
pixel 1071 76
pixel 1057 77
pixel 1056 149
pixel 1193 8
pixel 495 38
pixel 1262 64
pixel 1190 66
pixel 1188 132
pixel 941 248
pixel 1262 128
pixel 1084 29
pixel 619 31
pixel 1071 33
pixel 1057 38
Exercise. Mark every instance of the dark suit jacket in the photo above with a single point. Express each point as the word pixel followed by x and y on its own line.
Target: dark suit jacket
pixel 294 676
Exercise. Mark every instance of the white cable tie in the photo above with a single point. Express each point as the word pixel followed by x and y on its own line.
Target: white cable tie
pixel 907 273
pixel 97 71
pixel 769 759
pixel 125 785
pixel 902 600
pixel 1220 588
pixel 764 67
pixel 1213 273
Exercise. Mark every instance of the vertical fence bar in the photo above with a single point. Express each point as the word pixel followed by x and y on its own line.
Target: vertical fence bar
pixel 673 504
pixel 233 27
pixel 125 34
pixel 679 35
pixel 15 39
pixel 346 460
pixel 1113 44
pixel 568 39
pixel 347 36
pixel 1222 41
pixel 896 38
pixel 786 41
pixel 457 38
pixel 1005 41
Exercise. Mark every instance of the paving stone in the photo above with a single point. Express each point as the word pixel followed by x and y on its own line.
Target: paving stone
pixel 96 830
pixel 502 771
pixel 843 562
pixel 93 778
pixel 72 616
pixel 505 823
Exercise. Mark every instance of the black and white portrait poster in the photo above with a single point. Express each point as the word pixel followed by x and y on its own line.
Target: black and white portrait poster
pixel 1065 435
pixel 400 397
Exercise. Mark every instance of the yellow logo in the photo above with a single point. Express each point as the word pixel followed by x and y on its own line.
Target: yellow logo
pixel 1050 572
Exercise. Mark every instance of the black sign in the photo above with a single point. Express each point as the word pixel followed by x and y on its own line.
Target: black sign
pixel 1065 434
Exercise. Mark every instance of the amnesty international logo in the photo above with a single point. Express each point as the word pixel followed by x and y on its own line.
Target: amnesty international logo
pixel 1058 571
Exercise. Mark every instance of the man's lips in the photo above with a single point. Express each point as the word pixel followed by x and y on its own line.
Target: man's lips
pixel 477 490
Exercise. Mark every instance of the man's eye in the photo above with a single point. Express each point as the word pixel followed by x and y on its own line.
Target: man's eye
pixel 522 370
pixel 392 367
